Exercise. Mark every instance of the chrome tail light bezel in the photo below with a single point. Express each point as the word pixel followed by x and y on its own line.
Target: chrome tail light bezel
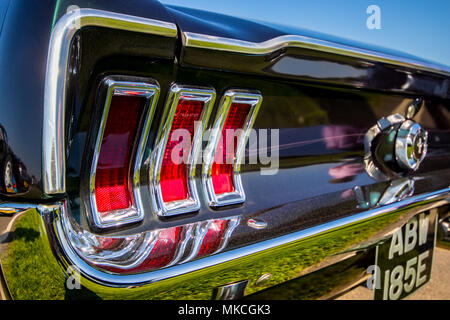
pixel 207 96
pixel 150 90
pixel 237 196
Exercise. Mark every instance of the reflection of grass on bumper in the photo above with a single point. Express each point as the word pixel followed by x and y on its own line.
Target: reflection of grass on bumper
pixel 284 263
pixel 29 274
pixel 33 274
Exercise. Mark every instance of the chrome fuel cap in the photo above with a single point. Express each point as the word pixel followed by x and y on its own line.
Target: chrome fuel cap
pixel 410 145
pixel 396 145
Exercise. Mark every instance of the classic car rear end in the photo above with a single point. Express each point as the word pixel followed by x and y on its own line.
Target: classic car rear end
pixel 171 153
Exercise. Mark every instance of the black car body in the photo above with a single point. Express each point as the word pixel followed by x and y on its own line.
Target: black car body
pixel 309 231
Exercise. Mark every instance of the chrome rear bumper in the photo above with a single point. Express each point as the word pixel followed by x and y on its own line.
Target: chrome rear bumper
pixel 39 261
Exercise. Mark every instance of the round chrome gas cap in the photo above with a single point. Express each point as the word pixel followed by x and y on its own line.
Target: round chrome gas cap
pixel 410 145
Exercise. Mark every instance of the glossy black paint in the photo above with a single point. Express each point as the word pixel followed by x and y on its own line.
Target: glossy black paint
pixel 23 53
pixel 24 41
pixel 321 103
pixel 308 65
pixel 14 178
pixel 321 131
pixel 25 93
pixel 322 284
pixel 151 9
pixel 321 125
pixel 297 63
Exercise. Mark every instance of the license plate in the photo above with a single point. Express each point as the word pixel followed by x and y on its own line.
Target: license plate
pixel 404 262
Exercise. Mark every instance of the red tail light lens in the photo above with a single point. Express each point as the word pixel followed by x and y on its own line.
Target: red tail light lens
pixel 112 190
pixel 225 151
pixel 177 145
pixel 114 200
pixel 222 168
pixel 173 178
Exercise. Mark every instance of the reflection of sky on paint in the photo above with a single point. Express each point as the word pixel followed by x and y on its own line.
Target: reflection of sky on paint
pixel 294 184
pixel 419 27
pixel 316 140
pixel 321 69
pixel 3 7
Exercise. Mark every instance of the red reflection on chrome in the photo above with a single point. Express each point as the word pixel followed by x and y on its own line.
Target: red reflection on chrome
pixel 164 250
pixel 222 168
pixel 160 248
pixel 173 176
pixel 109 243
pixel 213 238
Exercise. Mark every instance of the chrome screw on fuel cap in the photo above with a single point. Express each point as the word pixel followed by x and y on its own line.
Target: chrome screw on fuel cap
pixel 410 145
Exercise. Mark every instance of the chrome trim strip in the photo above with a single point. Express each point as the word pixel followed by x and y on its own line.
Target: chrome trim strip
pixel 187 237
pixel 231 291
pixel 196 40
pixel 199 234
pixel 202 229
pixel 207 96
pixel 238 195
pixel 158 275
pixel 128 257
pixel 130 251
pixel 150 91
pixel 53 141
pixel 233 223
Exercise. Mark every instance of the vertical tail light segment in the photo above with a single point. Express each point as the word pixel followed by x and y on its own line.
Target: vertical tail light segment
pixel 226 148
pixel 114 180
pixel 185 116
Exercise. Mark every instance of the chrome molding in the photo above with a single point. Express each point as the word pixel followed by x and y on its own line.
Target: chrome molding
pixel 207 96
pixel 231 291
pixel 200 232
pixel 61 223
pixel 196 40
pixel 384 123
pixel 238 195
pixel 150 91
pixel 397 190
pixel 410 143
pixel 53 140
pixel 124 253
